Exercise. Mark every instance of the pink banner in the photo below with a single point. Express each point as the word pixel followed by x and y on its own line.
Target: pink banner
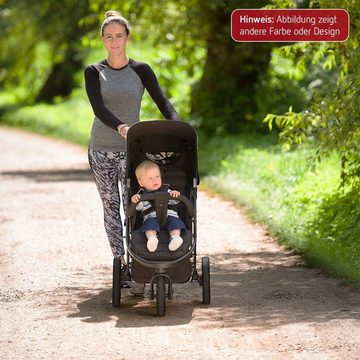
pixel 290 25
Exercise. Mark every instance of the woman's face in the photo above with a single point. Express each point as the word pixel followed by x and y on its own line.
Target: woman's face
pixel 115 38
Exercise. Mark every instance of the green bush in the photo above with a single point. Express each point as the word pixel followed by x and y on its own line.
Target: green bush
pixel 299 202
pixel 69 120
pixel 334 234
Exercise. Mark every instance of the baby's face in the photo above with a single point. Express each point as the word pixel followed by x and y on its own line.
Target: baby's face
pixel 151 180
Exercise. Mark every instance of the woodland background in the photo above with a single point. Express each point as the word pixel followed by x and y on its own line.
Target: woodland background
pixel 278 123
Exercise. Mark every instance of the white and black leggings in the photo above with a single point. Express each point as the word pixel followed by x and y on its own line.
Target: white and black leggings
pixel 109 169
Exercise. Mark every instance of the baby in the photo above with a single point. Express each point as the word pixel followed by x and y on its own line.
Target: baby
pixel 149 178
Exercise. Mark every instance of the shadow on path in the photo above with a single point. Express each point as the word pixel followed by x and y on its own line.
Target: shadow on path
pixel 52 175
pixel 134 311
pixel 250 290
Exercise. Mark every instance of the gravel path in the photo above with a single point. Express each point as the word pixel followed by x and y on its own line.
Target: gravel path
pixel 56 274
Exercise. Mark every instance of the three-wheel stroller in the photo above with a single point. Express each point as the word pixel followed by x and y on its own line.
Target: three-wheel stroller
pixel 173 146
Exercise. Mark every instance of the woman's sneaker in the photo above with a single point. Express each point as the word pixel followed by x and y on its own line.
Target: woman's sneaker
pixel 152 243
pixel 175 242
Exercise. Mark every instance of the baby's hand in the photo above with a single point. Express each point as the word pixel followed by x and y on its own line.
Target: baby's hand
pixel 135 198
pixel 175 193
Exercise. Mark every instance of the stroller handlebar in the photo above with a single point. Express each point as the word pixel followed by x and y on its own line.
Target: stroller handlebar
pixel 148 197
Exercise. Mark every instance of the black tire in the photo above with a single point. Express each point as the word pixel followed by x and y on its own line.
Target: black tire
pixel 205 268
pixel 160 296
pixel 116 289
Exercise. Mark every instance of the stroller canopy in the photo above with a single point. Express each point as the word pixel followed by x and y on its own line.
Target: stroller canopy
pixel 161 141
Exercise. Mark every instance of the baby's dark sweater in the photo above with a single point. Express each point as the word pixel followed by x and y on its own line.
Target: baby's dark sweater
pixel 115 96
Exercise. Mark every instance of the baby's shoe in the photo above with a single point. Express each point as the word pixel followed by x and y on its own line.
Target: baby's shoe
pixel 175 242
pixel 152 243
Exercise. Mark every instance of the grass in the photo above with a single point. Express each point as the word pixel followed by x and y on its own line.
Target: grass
pixel 335 245
pixel 277 187
pixel 300 203
pixel 70 120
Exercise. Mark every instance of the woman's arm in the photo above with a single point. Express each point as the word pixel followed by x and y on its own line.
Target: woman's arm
pixel 92 86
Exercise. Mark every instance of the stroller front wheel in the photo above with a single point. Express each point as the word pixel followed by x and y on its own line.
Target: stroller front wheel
pixel 160 296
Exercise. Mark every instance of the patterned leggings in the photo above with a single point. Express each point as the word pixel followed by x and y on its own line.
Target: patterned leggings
pixel 108 169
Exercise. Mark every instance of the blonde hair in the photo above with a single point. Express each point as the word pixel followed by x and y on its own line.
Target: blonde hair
pixel 145 166
pixel 113 16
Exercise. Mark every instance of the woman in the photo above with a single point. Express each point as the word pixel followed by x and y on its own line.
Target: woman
pixel 115 87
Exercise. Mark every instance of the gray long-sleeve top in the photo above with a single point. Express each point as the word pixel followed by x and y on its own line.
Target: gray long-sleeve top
pixel 115 96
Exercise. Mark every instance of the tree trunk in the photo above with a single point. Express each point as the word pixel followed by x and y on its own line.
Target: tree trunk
pixel 223 99
pixel 60 81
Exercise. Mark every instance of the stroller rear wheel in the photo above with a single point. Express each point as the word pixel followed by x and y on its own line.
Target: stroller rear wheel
pixel 205 279
pixel 116 289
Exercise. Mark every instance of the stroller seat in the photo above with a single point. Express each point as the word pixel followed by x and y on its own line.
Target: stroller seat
pixel 178 271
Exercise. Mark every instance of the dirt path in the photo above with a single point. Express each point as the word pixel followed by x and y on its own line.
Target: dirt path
pixel 56 273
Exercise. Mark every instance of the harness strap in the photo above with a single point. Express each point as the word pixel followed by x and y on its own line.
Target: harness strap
pixel 161 208
pixel 160 205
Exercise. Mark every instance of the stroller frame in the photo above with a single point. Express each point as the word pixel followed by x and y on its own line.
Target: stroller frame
pixel 176 141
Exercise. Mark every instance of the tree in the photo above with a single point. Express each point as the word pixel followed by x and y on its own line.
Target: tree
pixel 224 99
pixel 42 28
pixel 331 119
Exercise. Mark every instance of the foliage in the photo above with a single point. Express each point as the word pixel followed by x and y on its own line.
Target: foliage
pixel 190 38
pixel 224 100
pixel 55 120
pixel 329 123
pixel 59 36
pixel 283 89
pixel 47 35
pixel 333 234
pixel 277 187
pixel 302 207
pixel 330 119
